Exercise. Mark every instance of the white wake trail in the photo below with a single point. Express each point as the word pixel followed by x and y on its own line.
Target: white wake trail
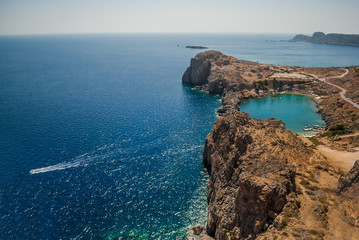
pixel 60 166
pixel 81 160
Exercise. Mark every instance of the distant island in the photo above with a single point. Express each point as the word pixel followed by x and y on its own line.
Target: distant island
pixel 197 47
pixel 331 38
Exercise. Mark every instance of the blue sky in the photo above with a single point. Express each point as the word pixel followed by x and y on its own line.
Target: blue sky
pixel 244 16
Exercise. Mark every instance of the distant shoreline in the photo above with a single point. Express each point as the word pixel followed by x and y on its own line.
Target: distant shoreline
pixel 331 38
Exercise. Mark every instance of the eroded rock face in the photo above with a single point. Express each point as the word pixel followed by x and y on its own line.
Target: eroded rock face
pixel 350 180
pixel 197 73
pixel 250 162
pixel 213 69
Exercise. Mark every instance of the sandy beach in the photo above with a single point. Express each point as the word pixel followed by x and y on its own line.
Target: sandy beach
pixel 342 159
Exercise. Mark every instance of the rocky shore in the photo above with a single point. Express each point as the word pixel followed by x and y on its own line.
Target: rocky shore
pixel 236 80
pixel 265 182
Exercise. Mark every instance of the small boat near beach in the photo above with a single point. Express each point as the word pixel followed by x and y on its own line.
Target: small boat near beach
pixel 308 128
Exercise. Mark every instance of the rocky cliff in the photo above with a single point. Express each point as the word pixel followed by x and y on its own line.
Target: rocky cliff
pixel 217 73
pixel 266 183
pixel 263 178
pixel 350 181
pixel 252 174
pixel 348 189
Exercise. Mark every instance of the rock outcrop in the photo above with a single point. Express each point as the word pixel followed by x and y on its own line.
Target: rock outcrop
pixel 215 72
pixel 350 180
pixel 198 72
pixel 250 162
pixel 348 191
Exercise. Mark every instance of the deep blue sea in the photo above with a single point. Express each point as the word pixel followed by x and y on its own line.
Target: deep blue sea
pixel 100 140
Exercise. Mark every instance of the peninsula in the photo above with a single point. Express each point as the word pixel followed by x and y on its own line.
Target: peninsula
pixel 266 182
pixel 331 38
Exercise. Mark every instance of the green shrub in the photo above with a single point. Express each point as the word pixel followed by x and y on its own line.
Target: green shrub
pixel 337 130
pixel 338 127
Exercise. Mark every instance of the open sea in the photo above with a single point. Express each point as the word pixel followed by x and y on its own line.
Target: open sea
pixel 99 139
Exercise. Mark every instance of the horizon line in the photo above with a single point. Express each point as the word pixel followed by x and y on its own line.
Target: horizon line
pixel 95 33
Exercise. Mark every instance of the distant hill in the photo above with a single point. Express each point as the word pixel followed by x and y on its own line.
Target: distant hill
pixel 331 38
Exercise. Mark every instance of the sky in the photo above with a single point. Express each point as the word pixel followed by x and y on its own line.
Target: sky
pixel 178 16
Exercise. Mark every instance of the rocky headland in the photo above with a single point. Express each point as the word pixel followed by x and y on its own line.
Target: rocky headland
pixel 266 182
pixel 236 80
pixel 331 38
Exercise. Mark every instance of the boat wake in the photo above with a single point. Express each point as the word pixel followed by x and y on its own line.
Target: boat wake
pixel 80 161
pixel 60 166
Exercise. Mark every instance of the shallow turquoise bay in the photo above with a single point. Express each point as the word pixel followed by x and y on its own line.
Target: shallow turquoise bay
pixel 296 111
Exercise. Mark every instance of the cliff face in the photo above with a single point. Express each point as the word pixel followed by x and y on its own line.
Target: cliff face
pixel 198 72
pixel 350 182
pixel 348 188
pixel 252 174
pixel 215 71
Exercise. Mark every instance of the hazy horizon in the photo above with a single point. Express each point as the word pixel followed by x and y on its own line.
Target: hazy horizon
pixel 21 17
pixel 166 33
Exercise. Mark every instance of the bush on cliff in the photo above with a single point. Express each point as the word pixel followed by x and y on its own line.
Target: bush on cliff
pixel 338 129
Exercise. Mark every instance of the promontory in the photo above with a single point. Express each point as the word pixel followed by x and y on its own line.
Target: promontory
pixel 266 182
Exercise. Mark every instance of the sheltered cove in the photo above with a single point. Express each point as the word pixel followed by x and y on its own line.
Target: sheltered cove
pixel 265 182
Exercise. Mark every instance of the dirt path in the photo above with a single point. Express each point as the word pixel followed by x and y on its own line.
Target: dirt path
pixel 343 91
pixel 349 135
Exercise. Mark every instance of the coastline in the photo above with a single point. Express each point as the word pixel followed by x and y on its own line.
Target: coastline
pixel 312 96
pixel 236 80
pixel 236 142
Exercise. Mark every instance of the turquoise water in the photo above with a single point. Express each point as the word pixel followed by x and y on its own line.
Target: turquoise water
pixel 100 140
pixel 296 111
